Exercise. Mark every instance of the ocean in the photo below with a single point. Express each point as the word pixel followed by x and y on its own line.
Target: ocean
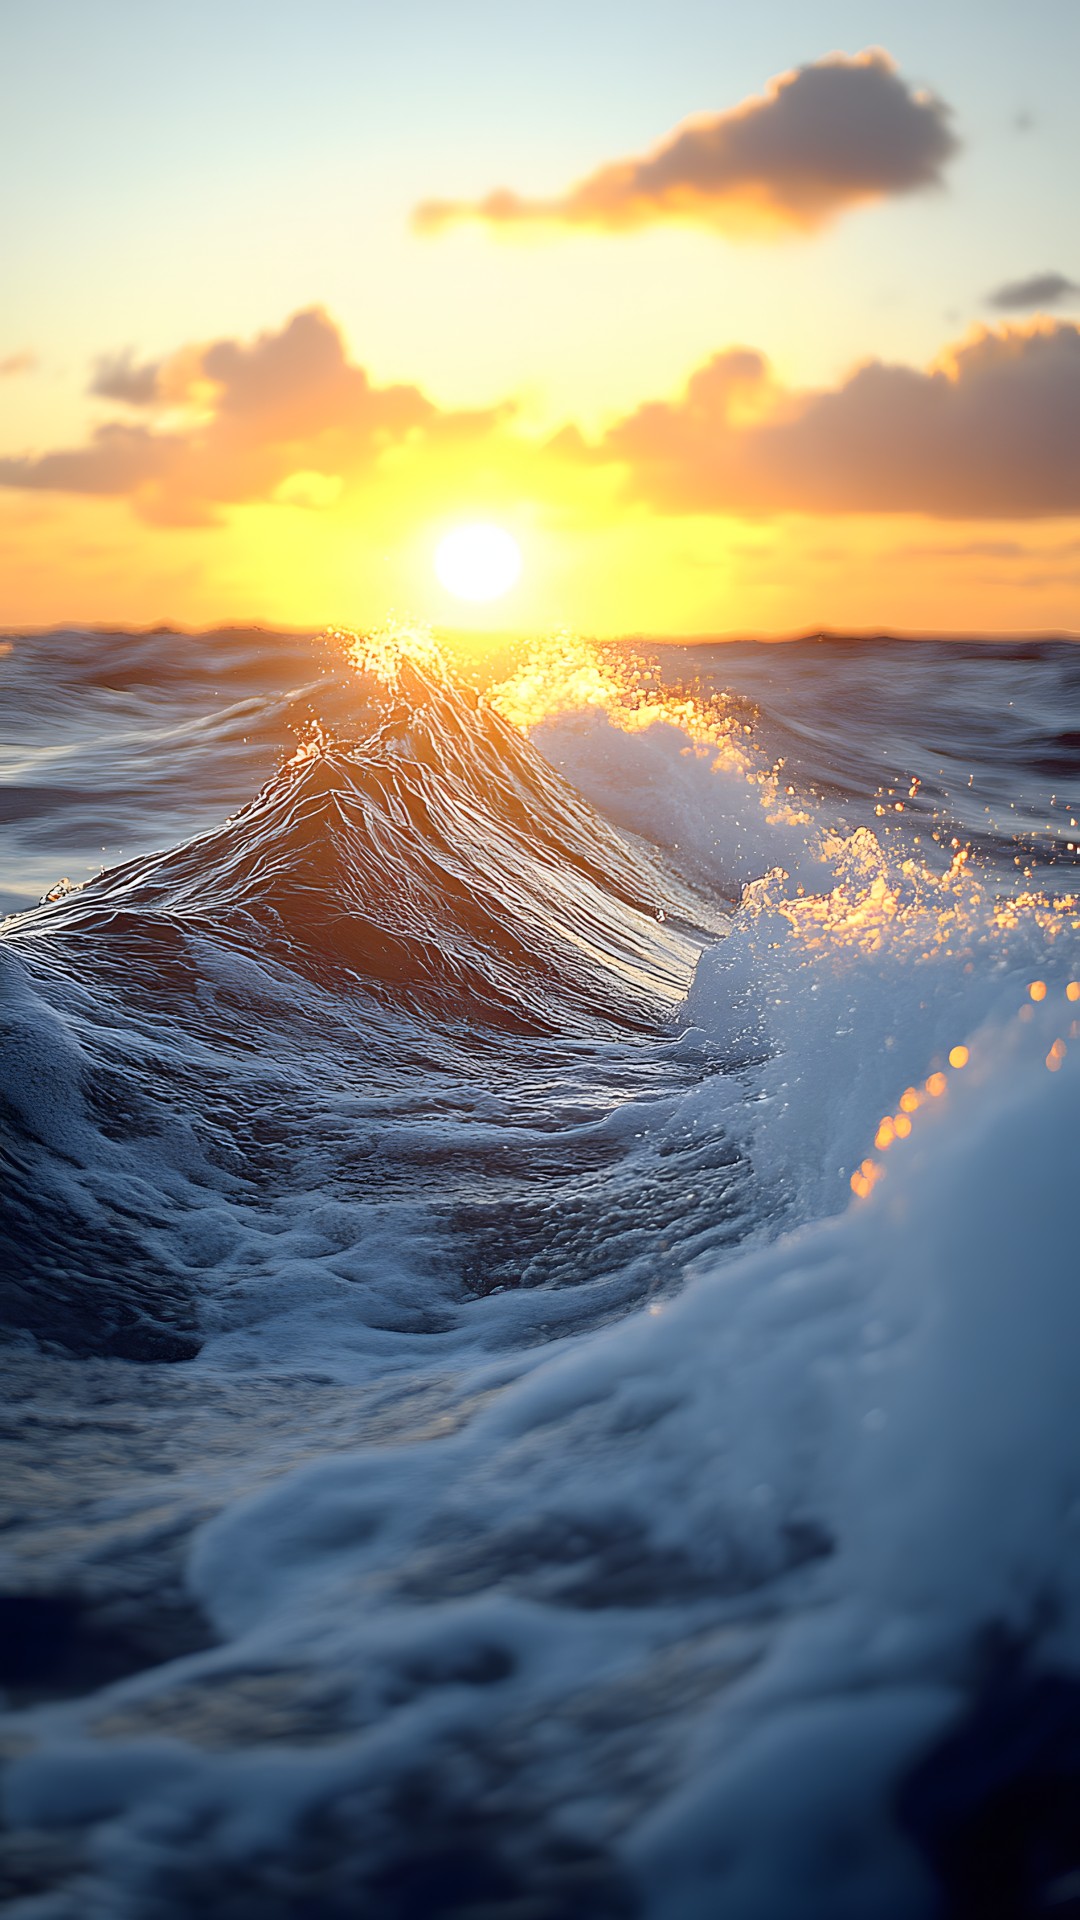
pixel 539 1278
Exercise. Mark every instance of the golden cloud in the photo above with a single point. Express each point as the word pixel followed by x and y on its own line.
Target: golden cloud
pixel 818 140
pixel 993 431
pixel 253 416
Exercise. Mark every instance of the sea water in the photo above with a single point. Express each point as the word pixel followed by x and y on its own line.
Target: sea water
pixel 539 1278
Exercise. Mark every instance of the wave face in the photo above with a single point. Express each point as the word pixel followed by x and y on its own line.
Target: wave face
pixel 437 860
pixel 537 1272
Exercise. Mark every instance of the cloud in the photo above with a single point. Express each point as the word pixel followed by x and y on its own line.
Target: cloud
pixel 993 432
pixel 286 416
pixel 1041 290
pixel 818 140
pixel 307 489
pixel 116 377
pixel 119 459
pixel 16 363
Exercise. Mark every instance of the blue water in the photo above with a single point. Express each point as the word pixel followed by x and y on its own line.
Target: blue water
pixel 538 1272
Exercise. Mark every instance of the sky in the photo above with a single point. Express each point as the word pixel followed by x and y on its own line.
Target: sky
pixel 737 319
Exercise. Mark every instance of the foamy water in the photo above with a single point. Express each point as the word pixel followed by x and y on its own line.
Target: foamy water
pixel 541 1277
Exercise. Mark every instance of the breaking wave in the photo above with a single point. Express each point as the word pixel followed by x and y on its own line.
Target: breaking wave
pixel 539 1280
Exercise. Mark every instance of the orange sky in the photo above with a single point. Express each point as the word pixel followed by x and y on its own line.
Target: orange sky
pixel 783 357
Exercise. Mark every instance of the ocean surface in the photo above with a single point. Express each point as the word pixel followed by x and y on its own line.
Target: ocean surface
pixel 539 1278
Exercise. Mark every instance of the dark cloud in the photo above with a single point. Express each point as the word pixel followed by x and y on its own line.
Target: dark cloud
pixel 1041 290
pixel 17 363
pixel 116 377
pixel 819 140
pixel 261 412
pixel 993 433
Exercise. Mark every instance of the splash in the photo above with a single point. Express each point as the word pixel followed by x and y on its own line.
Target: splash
pixel 314 742
pixel 387 651
pixel 566 674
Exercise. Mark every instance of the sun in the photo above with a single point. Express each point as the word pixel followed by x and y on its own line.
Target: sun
pixel 478 562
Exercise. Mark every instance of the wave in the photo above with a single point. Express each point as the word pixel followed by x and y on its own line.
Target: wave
pixel 623 1436
pixel 439 859
pixel 388 904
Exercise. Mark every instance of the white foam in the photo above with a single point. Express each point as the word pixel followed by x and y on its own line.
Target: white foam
pixel 901 1376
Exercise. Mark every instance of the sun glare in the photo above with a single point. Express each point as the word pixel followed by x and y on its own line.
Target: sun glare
pixel 478 562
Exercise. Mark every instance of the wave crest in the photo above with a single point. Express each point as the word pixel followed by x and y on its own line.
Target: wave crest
pixel 437 856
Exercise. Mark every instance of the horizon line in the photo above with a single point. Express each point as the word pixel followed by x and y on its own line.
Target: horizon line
pixel 493 636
